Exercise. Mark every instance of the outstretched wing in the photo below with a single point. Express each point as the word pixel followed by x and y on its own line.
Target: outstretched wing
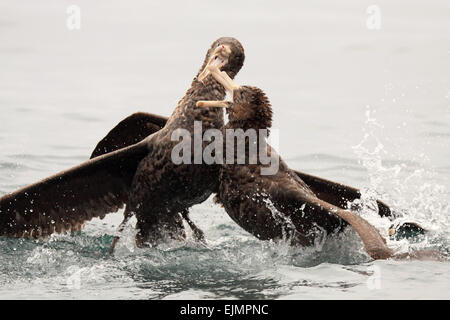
pixel 338 194
pixel 129 131
pixel 66 200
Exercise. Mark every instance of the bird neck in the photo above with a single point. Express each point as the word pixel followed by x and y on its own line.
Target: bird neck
pixel 186 113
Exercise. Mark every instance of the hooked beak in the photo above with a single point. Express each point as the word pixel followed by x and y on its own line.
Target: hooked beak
pixel 218 59
pixel 224 79
pixel 213 103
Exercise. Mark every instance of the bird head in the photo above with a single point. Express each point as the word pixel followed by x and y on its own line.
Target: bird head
pixel 226 54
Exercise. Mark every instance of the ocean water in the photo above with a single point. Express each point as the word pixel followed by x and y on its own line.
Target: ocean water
pixel 366 107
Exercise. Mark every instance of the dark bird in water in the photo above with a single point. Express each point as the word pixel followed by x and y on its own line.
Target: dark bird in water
pixel 278 204
pixel 141 175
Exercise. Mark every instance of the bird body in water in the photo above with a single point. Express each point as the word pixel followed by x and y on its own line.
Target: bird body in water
pixel 142 176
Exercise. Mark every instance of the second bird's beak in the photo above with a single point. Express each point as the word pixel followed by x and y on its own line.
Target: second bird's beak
pixel 213 103
pixel 224 79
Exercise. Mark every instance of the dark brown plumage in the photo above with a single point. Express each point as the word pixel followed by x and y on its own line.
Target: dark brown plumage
pixel 279 205
pixel 140 125
pixel 177 187
pixel 142 176
pixel 267 206
pixel 129 131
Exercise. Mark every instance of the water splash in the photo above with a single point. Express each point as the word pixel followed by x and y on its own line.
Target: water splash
pixel 408 187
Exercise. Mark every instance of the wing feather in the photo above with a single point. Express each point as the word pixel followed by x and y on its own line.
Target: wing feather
pixel 129 131
pixel 65 201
